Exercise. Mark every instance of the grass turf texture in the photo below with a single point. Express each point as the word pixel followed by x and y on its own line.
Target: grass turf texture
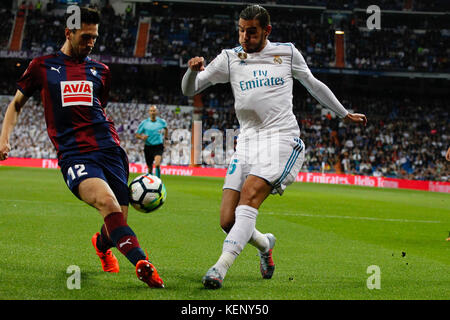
pixel 327 236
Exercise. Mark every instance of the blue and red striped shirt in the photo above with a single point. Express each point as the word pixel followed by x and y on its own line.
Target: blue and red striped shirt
pixel 74 94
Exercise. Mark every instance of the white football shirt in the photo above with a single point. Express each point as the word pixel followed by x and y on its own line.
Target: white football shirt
pixel 262 85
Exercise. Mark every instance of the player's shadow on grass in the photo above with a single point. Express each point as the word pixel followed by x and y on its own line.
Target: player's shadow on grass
pixel 90 278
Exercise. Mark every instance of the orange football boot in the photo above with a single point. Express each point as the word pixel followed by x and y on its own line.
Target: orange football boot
pixel 147 273
pixel 108 259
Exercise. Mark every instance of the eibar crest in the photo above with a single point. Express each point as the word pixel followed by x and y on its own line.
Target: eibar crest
pixel 277 59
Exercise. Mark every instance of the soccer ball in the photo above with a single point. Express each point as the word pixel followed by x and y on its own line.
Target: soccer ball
pixel 147 193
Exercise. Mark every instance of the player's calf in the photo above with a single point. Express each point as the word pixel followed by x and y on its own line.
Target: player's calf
pixel 123 237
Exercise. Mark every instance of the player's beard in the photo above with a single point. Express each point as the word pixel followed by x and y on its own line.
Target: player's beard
pixel 257 47
pixel 80 53
pixel 83 53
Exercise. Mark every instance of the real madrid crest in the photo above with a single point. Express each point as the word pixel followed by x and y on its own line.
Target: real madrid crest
pixel 277 59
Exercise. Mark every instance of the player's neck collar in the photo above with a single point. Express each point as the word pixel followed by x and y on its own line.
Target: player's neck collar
pixel 65 56
pixel 262 50
pixel 267 45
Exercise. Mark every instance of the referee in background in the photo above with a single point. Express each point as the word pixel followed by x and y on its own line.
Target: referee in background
pixel 153 131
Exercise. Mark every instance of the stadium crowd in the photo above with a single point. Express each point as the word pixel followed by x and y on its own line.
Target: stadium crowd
pixel 399 5
pixel 398 141
pixel 182 35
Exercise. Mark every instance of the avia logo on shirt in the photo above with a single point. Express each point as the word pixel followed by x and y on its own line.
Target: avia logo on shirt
pixel 77 93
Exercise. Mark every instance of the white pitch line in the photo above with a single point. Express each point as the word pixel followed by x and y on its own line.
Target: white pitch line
pixel 40 201
pixel 350 217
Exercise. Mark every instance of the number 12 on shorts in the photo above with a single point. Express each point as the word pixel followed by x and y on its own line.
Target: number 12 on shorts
pixel 75 172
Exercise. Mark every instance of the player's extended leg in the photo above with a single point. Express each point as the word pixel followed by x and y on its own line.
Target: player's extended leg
pixel 97 193
pixel 254 191
pixel 158 166
pixel 263 242
pixel 230 200
pixel 103 243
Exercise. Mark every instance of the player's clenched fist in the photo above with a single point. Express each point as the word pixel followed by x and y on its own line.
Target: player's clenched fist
pixel 356 117
pixel 197 64
pixel 4 149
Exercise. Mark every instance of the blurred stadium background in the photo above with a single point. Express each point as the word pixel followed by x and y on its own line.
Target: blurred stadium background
pixel 399 76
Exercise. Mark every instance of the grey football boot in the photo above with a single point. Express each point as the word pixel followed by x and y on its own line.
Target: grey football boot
pixel 266 264
pixel 212 279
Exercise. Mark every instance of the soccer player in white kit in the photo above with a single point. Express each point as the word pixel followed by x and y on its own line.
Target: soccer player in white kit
pixel 269 152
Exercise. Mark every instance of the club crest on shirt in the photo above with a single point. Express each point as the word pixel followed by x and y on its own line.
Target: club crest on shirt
pixel 242 56
pixel 77 93
pixel 277 59
pixel 94 72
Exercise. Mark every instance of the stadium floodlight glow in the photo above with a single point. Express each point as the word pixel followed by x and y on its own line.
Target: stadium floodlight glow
pixel 339 32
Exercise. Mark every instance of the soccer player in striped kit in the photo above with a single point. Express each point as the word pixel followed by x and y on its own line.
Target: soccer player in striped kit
pixel 269 152
pixel 74 91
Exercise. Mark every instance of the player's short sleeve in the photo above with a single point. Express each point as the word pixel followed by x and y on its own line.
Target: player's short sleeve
pixel 217 71
pixel 29 82
pixel 163 123
pixel 300 69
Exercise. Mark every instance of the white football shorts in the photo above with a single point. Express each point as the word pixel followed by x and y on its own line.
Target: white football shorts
pixel 277 160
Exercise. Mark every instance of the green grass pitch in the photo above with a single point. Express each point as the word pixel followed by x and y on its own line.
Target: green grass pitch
pixel 327 237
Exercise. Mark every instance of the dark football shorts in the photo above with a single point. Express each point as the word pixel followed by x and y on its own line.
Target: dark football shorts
pixel 151 152
pixel 110 165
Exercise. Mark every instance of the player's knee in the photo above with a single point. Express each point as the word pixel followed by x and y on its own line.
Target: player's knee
pixel 107 204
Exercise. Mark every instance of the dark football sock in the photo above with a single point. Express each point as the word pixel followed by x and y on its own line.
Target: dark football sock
pixel 103 241
pixel 123 237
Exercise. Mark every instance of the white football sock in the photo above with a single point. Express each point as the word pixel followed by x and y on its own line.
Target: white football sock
pixel 224 263
pixel 260 241
pixel 237 238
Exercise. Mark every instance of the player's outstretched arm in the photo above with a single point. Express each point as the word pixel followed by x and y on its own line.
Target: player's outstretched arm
pixel 319 90
pixel 9 122
pixel 326 98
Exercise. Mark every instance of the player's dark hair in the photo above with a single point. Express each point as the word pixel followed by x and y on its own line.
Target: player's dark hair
pixel 256 12
pixel 90 16
pixel 87 15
